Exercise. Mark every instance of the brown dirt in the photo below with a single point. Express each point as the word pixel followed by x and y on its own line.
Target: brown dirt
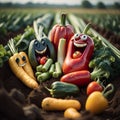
pixel 28 102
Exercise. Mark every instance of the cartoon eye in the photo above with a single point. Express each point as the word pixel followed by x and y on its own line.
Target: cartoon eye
pixel 84 37
pixel 24 58
pixel 43 42
pixel 36 43
pixel 17 60
pixel 77 36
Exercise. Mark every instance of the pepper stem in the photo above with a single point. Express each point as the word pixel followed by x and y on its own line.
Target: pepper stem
pixel 63 19
pixel 108 90
pixel 50 90
pixel 86 28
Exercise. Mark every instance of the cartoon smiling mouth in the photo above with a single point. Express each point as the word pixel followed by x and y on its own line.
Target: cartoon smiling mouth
pixel 42 51
pixel 22 65
pixel 80 44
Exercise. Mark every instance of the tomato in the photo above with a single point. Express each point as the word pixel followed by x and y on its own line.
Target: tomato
pixel 43 60
pixel 77 54
pixel 93 86
pixel 96 103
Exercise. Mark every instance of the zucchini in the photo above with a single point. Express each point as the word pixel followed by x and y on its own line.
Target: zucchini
pixel 52 53
pixel 31 54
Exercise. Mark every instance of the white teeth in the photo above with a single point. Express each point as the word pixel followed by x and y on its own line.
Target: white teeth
pixel 22 65
pixel 80 45
pixel 41 52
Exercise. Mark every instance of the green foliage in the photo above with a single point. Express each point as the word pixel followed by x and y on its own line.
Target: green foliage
pixel 86 4
pixel 101 5
pixel 116 5
pixel 4 55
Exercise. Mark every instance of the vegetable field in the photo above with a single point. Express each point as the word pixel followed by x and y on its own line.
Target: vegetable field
pixel 59 64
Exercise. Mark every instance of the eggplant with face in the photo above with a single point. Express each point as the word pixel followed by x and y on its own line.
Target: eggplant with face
pixel 38 49
pixel 41 46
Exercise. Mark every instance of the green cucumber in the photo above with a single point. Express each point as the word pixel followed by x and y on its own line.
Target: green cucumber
pixel 47 65
pixel 43 77
pixel 39 68
pixel 52 69
pixel 38 73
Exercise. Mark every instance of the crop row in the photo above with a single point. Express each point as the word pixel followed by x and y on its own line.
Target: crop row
pixel 107 21
pixel 14 21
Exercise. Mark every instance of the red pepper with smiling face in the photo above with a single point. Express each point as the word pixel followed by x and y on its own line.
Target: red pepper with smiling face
pixel 61 31
pixel 82 43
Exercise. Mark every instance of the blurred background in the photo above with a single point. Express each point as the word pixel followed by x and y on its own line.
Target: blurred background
pixel 15 15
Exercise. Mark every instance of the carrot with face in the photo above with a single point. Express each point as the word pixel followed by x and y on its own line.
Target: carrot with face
pixel 20 67
pixel 27 67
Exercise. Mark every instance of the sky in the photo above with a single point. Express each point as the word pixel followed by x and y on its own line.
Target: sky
pixel 68 2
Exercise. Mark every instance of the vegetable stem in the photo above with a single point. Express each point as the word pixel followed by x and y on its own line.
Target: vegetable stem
pixel 87 27
pixel 108 90
pixel 12 46
pixel 99 73
pixel 63 19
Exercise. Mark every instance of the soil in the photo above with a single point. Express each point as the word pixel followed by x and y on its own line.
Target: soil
pixel 18 102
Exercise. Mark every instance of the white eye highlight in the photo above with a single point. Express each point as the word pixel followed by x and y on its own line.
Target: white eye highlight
pixel 76 36
pixel 84 37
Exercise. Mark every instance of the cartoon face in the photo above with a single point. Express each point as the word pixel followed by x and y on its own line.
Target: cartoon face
pixel 20 60
pixel 80 40
pixel 40 47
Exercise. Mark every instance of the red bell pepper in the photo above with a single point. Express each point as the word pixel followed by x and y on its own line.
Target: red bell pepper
pixel 61 31
pixel 82 43
pixel 79 78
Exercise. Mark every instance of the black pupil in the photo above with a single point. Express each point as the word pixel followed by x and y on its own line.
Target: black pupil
pixel 77 35
pixel 24 58
pixel 17 60
pixel 84 36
